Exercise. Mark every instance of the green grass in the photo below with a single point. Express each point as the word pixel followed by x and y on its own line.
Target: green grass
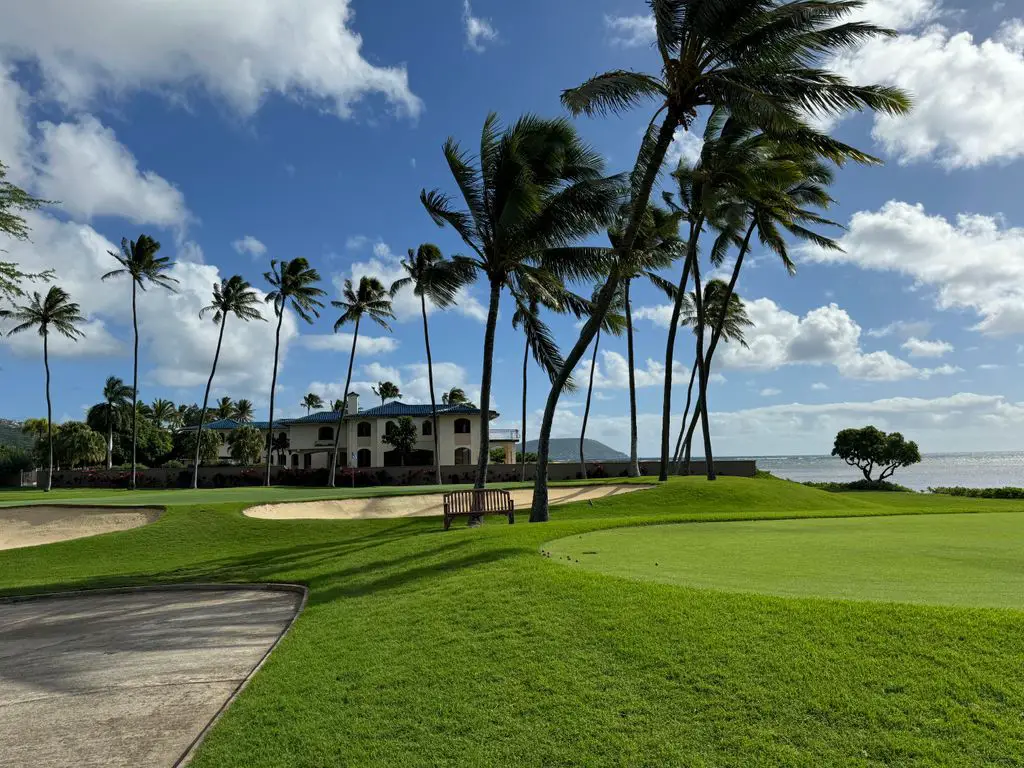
pixel 965 560
pixel 425 648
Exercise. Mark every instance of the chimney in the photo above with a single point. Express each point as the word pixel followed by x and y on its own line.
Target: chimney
pixel 352 404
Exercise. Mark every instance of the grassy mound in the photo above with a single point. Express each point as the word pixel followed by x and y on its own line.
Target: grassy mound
pixel 424 648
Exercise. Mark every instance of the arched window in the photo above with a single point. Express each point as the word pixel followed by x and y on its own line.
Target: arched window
pixel 325 433
pixel 389 428
pixel 363 457
pixel 428 428
pixel 461 427
pixel 462 456
pixel 363 429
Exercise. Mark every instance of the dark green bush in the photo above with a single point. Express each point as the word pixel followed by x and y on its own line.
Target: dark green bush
pixel 860 485
pixel 1006 492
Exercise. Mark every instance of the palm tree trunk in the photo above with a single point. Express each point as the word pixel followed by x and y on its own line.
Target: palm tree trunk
pixel 110 438
pixel 485 390
pixel 273 387
pixel 677 457
pixel 586 409
pixel 433 399
pixel 633 470
pixel 206 400
pixel 642 195
pixel 341 416
pixel 135 384
pixel 702 372
pixel 666 406
pixel 49 412
pixel 526 362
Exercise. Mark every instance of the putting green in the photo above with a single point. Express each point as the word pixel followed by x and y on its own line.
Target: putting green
pixel 972 560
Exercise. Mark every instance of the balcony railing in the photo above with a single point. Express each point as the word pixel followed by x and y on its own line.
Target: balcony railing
pixel 504 434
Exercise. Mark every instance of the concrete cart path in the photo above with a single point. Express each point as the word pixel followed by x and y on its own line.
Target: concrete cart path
pixel 126 679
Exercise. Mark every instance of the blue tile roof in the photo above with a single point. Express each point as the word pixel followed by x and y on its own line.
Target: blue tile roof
pixel 320 417
pixel 398 408
pixel 388 410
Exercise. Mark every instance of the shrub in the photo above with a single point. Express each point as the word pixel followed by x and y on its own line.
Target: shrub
pixel 860 485
pixel 1006 492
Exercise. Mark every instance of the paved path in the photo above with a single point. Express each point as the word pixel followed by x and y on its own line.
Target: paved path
pixel 126 679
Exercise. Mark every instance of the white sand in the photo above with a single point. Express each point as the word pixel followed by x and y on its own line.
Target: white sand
pixel 423 505
pixel 28 526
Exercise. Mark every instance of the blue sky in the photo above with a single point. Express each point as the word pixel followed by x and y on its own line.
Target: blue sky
pixel 272 129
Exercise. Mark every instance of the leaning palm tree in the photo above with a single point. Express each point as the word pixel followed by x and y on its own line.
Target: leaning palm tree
pixel 294 285
pixel 140 263
pixel 244 411
pixel 110 414
pixel 535 187
pixel 386 390
pixel 369 300
pixel 437 279
pixel 231 296
pixel 54 312
pixel 614 322
pixel 455 396
pixel 162 411
pixel 757 58
pixel 311 402
pixel 338 405
pixel 225 408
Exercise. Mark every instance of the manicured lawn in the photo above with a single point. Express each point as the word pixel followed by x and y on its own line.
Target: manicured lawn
pixel 425 648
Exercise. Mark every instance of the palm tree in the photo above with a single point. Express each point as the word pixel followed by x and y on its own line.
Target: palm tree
pixel 244 412
pixel 232 296
pixel 312 402
pixel 454 396
pixel 162 410
pixel 139 262
pixel 338 406
pixel 432 277
pixel 110 414
pixel 370 300
pixel 536 187
pixel 613 323
pixel 55 312
pixel 294 284
pixel 757 58
pixel 386 390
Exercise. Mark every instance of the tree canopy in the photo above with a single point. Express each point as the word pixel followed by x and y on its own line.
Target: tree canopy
pixel 869 448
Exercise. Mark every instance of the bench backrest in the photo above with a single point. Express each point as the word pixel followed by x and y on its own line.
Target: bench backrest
pixel 477 500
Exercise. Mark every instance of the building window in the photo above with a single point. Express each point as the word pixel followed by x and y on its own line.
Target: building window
pixel 363 429
pixel 307 460
pixel 282 460
pixel 325 433
pixel 389 428
pixel 363 457
pixel 428 428
pixel 462 427
pixel 462 456
pixel 295 460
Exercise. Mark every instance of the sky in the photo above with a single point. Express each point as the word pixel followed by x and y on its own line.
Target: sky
pixel 244 130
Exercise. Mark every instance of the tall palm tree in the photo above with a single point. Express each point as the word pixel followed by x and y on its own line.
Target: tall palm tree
pixel 757 58
pixel 244 411
pixel 386 390
pixel 437 279
pixel 110 414
pixel 162 410
pixel 139 262
pixel 294 284
pixel 54 312
pixel 312 401
pixel 225 408
pixel 338 405
pixel 614 322
pixel 231 296
pixel 369 300
pixel 535 187
pixel 454 396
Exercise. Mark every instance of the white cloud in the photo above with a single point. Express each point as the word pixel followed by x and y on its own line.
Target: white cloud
pixel 250 245
pixel 990 367
pixel 379 372
pixel 14 134
pixel 631 31
pixel 903 329
pixel 356 242
pixel 91 173
pixel 660 315
pixel 342 342
pixel 411 379
pixel 924 348
pixel 819 386
pixel 897 14
pixel 479 31
pixel 239 51
pixel 98 342
pixel 975 262
pixel 766 392
pixel 686 146
pixel 968 96
pixel 612 372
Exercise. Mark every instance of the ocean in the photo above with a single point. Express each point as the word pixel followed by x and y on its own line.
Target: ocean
pixel 974 470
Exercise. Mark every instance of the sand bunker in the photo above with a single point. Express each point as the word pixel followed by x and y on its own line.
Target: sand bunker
pixel 28 526
pixel 422 505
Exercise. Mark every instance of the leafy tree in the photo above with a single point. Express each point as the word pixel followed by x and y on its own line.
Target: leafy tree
pixel 14 461
pixel 869 448
pixel 497 455
pixel 613 323
pixel 140 263
pixel 386 390
pixel 370 300
pixel 455 396
pixel 232 296
pixel 402 437
pixel 247 444
pixel 162 412
pixel 244 411
pixel 535 187
pixel 280 444
pixel 188 415
pixel 77 443
pixel 185 446
pixel 112 413
pixel 312 402
pixel 437 279
pixel 54 312
pixel 14 201
pixel 758 59
pixel 338 405
pixel 294 284
pixel 526 458
pixel 153 445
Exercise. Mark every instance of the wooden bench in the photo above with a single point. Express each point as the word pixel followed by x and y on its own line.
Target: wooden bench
pixel 482 501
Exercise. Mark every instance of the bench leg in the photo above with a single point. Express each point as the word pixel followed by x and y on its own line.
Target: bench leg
pixel 511 518
pixel 447 522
